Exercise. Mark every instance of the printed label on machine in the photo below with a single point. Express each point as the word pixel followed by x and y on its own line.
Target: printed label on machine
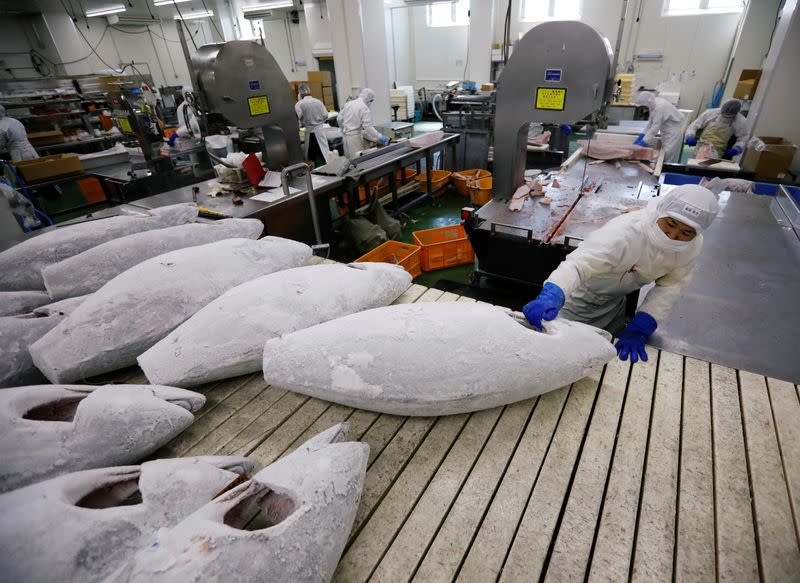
pixel 552 75
pixel 258 105
pixel 553 98
pixel 254 85
pixel 125 125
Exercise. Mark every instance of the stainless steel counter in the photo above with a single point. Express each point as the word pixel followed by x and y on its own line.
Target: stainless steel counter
pixel 739 309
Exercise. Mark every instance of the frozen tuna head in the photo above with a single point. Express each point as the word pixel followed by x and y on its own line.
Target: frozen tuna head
pixel 142 305
pixel 89 271
pixel 304 506
pixel 46 431
pixel 21 302
pixel 481 357
pixel 81 526
pixel 21 265
pixel 201 350
pixel 17 333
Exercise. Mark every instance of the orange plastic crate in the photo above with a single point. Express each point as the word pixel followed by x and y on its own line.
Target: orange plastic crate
pixel 444 247
pixel 463 178
pixel 405 255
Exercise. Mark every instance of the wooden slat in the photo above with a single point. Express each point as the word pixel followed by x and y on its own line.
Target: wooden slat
pixel 448 297
pixel 695 547
pixel 786 409
pixel 654 546
pixel 573 543
pixel 485 557
pixel 777 539
pixel 431 295
pixel 532 541
pixel 333 415
pixel 422 523
pixel 614 539
pixel 459 528
pixel 411 294
pixel 466 299
pixel 381 433
pixel 736 538
pixel 369 545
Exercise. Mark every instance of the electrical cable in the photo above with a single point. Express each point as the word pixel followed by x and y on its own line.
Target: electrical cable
pixel 183 23
pixel 211 18
pixel 469 28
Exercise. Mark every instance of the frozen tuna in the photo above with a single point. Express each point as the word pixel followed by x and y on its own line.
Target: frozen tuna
pixel 21 302
pixel 82 526
pixel 307 503
pixel 89 271
pixel 46 430
pixel 141 306
pixel 17 333
pixel 21 265
pixel 433 358
pixel 201 350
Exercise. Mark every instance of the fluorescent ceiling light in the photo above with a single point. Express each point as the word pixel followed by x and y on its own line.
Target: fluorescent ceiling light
pixel 106 11
pixel 168 2
pixel 268 6
pixel 193 15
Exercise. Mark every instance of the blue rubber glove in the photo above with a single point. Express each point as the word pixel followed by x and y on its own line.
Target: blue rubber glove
pixel 631 340
pixel 731 152
pixel 566 128
pixel 383 140
pixel 639 141
pixel 546 305
pixel 691 140
pixel 172 138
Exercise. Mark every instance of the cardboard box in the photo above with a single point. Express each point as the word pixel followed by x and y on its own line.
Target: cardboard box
pixel 748 83
pixel 46 138
pixel 316 89
pixel 48 167
pixel 771 162
pixel 327 94
pixel 322 77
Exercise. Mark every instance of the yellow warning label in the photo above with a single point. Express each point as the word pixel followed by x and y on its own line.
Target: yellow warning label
pixel 258 105
pixel 551 98
pixel 125 125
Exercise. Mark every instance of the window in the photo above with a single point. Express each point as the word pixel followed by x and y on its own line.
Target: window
pixel 541 10
pixel 684 7
pixel 454 13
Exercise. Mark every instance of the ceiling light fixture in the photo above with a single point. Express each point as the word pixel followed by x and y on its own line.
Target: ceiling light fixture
pixel 268 6
pixel 106 11
pixel 168 2
pixel 193 15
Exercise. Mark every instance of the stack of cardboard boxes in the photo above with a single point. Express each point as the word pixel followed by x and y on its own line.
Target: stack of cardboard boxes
pixel 321 85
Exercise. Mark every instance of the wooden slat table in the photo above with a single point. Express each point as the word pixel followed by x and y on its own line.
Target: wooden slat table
pixel 674 469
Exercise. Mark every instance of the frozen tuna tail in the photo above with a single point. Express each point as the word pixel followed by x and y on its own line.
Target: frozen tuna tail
pixel 433 359
pixel 142 305
pixel 21 265
pixel 202 349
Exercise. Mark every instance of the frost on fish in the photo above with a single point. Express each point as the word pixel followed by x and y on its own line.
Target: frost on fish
pixel 89 271
pixel 46 430
pixel 14 303
pixel 307 503
pixel 202 350
pixel 21 265
pixel 433 358
pixel 17 333
pixel 82 526
pixel 141 306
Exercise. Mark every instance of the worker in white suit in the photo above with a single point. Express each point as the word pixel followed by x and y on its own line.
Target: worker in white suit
pixel 718 125
pixel 14 138
pixel 355 122
pixel 664 119
pixel 188 126
pixel 312 114
pixel 659 243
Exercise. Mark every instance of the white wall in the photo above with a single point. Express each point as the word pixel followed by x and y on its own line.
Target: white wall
pixel 440 53
pixel 400 46
pixel 14 47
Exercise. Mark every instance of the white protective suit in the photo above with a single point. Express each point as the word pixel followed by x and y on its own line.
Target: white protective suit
pixel 712 116
pixel 630 252
pixel 14 138
pixel 313 114
pixel 355 122
pixel 186 114
pixel 664 118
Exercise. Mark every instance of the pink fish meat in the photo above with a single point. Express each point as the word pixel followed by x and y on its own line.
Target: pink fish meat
pixel 612 151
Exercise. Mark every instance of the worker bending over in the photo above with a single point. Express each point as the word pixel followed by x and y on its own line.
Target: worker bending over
pixel 718 125
pixel 188 126
pixel 355 122
pixel 659 243
pixel 312 114
pixel 14 138
pixel 664 118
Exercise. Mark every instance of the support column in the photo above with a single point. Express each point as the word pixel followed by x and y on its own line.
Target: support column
pixel 481 12
pixel 376 60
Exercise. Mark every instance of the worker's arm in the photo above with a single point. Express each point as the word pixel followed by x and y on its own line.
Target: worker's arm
pixel 667 290
pixel 739 128
pixel 699 123
pixel 367 129
pixel 298 111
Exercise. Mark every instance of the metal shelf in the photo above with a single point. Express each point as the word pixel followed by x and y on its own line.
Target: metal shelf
pixel 58 114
